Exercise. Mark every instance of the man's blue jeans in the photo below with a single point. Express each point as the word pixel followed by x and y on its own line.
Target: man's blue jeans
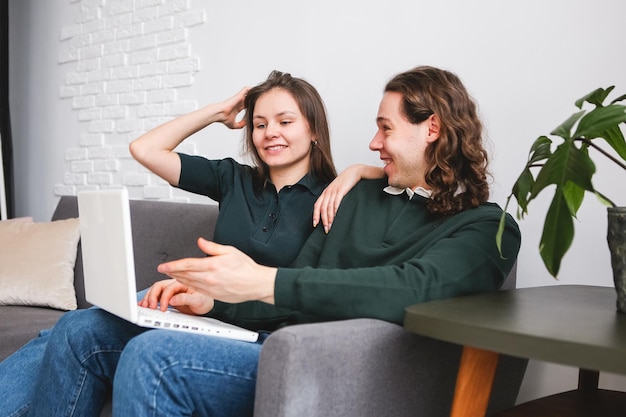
pixel 157 372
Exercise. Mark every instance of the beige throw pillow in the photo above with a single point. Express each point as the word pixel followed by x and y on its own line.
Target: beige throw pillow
pixel 37 263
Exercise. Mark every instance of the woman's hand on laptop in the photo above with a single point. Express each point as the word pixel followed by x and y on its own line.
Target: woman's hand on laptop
pixel 170 292
pixel 227 274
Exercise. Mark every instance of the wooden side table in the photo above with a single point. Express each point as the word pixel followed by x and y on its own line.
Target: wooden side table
pixel 573 325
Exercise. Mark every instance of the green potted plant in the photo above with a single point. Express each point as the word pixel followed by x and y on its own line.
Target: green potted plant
pixel 569 167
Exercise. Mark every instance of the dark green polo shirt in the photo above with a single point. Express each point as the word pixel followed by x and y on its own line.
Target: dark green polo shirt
pixel 268 226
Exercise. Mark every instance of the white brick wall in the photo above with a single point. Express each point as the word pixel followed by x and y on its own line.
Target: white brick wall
pixel 126 61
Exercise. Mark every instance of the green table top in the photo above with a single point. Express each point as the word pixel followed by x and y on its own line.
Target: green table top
pixel 574 325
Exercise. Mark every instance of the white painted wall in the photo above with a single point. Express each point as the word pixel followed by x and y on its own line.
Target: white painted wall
pixel 525 63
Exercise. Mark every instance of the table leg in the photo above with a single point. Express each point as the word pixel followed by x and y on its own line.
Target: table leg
pixel 588 380
pixel 474 381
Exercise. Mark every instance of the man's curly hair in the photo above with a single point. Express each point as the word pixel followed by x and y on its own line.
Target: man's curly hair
pixel 457 161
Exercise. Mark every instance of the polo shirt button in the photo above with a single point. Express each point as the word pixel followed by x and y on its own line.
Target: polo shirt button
pixel 265 229
pixel 272 215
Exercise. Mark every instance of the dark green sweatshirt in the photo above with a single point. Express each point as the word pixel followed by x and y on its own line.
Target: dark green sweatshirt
pixel 383 253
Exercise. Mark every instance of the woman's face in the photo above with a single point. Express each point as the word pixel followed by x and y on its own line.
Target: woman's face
pixel 281 134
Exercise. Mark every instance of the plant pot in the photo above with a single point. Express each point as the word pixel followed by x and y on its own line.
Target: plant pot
pixel 616 238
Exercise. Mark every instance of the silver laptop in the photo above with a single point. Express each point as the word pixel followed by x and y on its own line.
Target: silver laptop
pixel 109 269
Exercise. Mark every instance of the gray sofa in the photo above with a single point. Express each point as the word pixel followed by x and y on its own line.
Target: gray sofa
pixel 357 368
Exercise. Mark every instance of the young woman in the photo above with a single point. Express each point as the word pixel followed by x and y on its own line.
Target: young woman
pixel 288 140
pixel 265 211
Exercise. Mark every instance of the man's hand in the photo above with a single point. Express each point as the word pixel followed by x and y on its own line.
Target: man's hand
pixel 227 274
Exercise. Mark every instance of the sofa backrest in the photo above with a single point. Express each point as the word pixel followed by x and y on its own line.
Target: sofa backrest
pixel 162 231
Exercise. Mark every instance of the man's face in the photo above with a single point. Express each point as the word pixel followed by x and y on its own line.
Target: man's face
pixel 402 144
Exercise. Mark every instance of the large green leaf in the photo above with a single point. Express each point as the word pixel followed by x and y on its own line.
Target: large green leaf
pixel 574 196
pixel 595 123
pixel 596 97
pixel 558 234
pixel 565 128
pixel 521 190
pixel 568 163
pixel 615 138
pixel 540 150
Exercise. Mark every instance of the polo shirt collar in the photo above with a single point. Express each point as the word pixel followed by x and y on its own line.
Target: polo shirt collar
pixel 410 193
pixel 313 184
pixel 310 182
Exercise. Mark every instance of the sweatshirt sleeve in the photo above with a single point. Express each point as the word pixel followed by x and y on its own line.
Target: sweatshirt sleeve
pixel 458 257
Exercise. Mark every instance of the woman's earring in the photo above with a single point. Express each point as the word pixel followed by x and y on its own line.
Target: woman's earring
pixel 314 143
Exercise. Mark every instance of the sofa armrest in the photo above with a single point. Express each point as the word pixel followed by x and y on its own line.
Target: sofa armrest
pixel 355 367
pixel 365 367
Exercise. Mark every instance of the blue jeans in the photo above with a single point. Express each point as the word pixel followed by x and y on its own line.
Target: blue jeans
pixel 176 374
pixel 20 371
pixel 157 372
pixel 17 375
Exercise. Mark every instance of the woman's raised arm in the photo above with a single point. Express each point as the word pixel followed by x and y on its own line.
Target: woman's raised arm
pixel 154 149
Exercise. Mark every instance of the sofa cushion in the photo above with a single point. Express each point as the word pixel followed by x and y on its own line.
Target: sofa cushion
pixel 19 324
pixel 37 263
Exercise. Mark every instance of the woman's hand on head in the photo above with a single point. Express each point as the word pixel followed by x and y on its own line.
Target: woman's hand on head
pixel 170 292
pixel 231 109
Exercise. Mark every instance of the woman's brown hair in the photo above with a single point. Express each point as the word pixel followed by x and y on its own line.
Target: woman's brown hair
pixel 312 107
pixel 457 161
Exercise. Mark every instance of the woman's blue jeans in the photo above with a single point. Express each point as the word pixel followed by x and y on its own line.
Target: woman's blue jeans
pixel 18 373
pixel 90 354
